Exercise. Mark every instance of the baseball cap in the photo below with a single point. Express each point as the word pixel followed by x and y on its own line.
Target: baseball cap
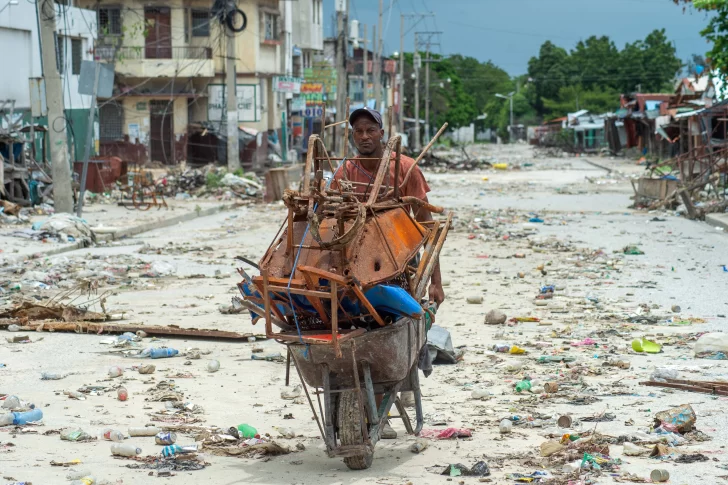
pixel 371 113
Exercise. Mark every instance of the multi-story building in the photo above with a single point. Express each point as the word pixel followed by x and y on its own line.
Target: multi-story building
pixel 170 60
pixel 76 30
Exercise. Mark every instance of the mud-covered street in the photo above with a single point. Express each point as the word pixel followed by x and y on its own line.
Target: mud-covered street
pixel 551 244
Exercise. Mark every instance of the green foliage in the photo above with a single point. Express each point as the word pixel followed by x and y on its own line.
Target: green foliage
pixel 213 179
pixel 716 32
pixel 596 70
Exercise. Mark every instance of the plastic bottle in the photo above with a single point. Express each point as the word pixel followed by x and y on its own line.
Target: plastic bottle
pixel 711 344
pixel 505 426
pixel 524 385
pixel 165 438
pixel 163 353
pixel 11 402
pixel 125 449
pixel 144 431
pixel 113 435
pixel 51 376
pixel 13 328
pixel 247 431
pixel 122 394
pixel 21 418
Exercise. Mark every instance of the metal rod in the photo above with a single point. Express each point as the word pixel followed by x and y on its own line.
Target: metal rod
pixel 434 138
pixel 373 416
pixel 310 403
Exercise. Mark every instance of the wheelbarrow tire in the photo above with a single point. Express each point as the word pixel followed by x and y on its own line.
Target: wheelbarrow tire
pixel 350 430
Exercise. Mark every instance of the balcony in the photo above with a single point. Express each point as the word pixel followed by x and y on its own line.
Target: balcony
pixel 161 61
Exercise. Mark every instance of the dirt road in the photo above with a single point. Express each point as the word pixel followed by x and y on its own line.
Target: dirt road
pixel 578 248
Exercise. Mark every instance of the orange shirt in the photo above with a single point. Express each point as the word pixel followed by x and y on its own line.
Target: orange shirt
pixel 416 185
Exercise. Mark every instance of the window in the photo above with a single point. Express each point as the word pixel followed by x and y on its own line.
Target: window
pixel 60 51
pixel 200 23
pixel 111 119
pixel 109 21
pixel 271 26
pixel 76 56
pixel 316 12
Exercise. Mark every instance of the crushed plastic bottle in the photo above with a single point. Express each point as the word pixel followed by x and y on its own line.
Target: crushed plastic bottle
pixel 87 480
pixel 21 418
pixel 125 449
pixel 524 385
pixel 11 402
pixel 51 376
pixel 505 426
pixel 113 435
pixel 74 434
pixel 163 353
pixel 247 431
pixel 144 431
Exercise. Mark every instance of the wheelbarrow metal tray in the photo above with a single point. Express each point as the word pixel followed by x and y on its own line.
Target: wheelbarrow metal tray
pixel 390 351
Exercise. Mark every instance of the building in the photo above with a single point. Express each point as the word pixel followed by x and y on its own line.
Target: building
pixel 20 41
pixel 170 77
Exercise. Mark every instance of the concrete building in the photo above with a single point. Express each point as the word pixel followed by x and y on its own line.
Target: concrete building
pixel 170 75
pixel 20 41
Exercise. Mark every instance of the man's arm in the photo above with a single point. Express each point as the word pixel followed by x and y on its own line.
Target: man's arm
pixel 435 291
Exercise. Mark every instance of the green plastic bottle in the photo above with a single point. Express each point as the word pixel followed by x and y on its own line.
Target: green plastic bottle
pixel 247 431
pixel 524 385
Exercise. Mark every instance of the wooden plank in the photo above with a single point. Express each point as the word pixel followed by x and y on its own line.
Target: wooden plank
pixel 266 302
pixel 324 274
pixel 294 283
pixel 335 320
pixel 433 259
pixel 426 255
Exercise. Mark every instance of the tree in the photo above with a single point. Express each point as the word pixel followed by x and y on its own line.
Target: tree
pixel 716 32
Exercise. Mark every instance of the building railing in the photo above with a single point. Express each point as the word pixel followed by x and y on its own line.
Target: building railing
pixel 153 52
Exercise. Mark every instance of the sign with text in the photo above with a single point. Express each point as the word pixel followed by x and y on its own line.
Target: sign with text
pixel 298 104
pixel 247 97
pixel 287 84
pixel 313 93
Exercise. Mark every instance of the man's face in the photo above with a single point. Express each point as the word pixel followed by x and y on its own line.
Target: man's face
pixel 367 135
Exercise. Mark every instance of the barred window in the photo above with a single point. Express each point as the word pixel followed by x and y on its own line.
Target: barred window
pixel 200 23
pixel 76 56
pixel 109 21
pixel 111 120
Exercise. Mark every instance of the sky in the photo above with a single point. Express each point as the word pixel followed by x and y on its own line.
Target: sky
pixel 510 32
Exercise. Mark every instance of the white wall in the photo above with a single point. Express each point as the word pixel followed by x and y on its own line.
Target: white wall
pixel 308 24
pixel 19 28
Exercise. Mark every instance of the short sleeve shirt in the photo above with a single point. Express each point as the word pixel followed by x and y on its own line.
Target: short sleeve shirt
pixel 416 185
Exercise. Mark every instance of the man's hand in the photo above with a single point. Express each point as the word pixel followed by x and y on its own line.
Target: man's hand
pixel 437 294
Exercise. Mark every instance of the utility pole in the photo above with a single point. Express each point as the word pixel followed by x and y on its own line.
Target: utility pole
pixel 342 41
pixel 427 93
pixel 377 68
pixel 365 62
pixel 61 168
pixel 374 67
pixel 417 61
pixel 401 61
pixel 509 97
pixel 400 119
pixel 233 148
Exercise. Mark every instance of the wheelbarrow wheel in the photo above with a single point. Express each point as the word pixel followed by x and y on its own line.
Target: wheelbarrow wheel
pixel 350 430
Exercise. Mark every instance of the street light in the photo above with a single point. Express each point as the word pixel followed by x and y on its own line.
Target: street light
pixel 510 98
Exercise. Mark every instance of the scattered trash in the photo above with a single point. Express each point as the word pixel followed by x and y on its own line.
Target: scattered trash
pixel 213 366
pixel 165 438
pixel 124 449
pixel 659 476
pixel 76 434
pixel 122 394
pixel 645 345
pixel 419 445
pixel 632 250
pixel 113 435
pixel 680 419
pixel 115 371
pixel 291 393
pixel 144 431
pixel 474 299
pixel 446 434
pixel 712 346
pixel 495 317
pixel 147 369
pixel 480 469
pixel 505 426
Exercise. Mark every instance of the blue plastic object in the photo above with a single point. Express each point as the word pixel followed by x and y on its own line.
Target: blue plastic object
pixel 163 353
pixel 27 416
pixel 393 299
pixel 535 219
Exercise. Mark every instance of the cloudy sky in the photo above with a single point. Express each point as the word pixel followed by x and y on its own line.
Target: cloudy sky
pixel 509 32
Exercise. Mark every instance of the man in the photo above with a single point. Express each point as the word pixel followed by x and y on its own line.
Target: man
pixel 368 134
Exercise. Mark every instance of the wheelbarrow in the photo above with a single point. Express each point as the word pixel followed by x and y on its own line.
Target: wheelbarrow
pixel 344 281
pixel 383 363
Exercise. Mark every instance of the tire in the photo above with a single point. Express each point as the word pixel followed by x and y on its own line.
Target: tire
pixel 350 430
pixel 230 20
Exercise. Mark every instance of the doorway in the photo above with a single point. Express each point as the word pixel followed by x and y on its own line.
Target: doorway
pixel 158 42
pixel 161 134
